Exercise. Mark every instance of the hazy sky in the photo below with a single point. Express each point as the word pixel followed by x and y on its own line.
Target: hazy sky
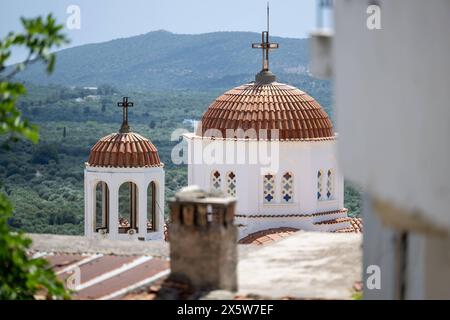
pixel 103 20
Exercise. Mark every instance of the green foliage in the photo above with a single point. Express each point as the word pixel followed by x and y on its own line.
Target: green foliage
pixel 22 277
pixel 357 295
pixel 10 117
pixel 44 153
pixel 40 35
pixel 352 199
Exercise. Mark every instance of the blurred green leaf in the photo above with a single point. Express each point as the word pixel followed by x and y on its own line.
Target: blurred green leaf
pixel 22 277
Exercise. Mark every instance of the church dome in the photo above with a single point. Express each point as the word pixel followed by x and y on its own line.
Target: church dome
pixel 267 104
pixel 125 149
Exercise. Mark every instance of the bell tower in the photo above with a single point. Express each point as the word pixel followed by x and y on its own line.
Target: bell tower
pixel 124 186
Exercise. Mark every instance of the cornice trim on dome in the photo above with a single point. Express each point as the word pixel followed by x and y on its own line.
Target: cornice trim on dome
pixel 294 215
pixel 87 164
pixel 195 136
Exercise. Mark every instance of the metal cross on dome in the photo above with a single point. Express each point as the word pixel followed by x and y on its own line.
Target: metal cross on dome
pixel 265 45
pixel 125 104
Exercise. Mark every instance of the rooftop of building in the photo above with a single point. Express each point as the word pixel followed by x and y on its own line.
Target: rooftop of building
pixel 268 236
pixel 305 265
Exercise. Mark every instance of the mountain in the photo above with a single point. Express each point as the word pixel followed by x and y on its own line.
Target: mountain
pixel 164 60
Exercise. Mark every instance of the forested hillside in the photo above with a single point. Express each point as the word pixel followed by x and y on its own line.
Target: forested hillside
pixel 161 59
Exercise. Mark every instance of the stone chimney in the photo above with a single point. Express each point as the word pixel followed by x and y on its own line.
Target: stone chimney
pixel 203 240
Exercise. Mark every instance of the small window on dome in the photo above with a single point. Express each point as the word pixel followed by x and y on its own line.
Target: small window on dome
pixel 269 188
pixel 320 195
pixel 231 184
pixel 287 191
pixel 330 184
pixel 216 181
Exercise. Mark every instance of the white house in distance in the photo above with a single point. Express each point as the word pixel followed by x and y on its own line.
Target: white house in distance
pixel 273 147
pixel 124 187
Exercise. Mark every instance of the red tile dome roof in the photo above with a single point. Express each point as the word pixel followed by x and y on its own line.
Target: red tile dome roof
pixel 124 149
pixel 271 105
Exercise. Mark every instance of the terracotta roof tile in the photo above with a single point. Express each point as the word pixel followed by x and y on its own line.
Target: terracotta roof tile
pixel 270 106
pixel 105 276
pixel 267 236
pixel 334 221
pixel 124 150
pixel 356 226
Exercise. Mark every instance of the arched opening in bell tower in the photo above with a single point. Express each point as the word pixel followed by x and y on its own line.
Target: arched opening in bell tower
pixel 151 207
pixel 128 194
pixel 101 214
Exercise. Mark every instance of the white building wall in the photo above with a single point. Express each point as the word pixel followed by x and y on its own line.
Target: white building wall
pixel 392 102
pixel 391 89
pixel 114 178
pixel 301 158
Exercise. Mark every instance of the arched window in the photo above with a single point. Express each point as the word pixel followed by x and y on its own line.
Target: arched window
pixel 231 184
pixel 151 207
pixel 216 181
pixel 330 184
pixel 320 185
pixel 101 207
pixel 269 188
pixel 127 207
pixel 287 191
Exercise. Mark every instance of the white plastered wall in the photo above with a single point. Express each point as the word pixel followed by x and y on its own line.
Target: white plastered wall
pixel 114 178
pixel 301 158
pixel 392 102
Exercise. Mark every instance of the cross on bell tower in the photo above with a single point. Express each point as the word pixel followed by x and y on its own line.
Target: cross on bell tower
pixel 265 45
pixel 125 104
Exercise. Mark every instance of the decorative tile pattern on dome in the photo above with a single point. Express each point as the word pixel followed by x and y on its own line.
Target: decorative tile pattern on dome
pixel 295 114
pixel 231 184
pixel 269 188
pixel 287 192
pixel 216 181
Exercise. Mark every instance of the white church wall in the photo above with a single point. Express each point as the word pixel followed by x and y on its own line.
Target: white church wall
pixel 302 159
pixel 114 178
pixel 324 158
